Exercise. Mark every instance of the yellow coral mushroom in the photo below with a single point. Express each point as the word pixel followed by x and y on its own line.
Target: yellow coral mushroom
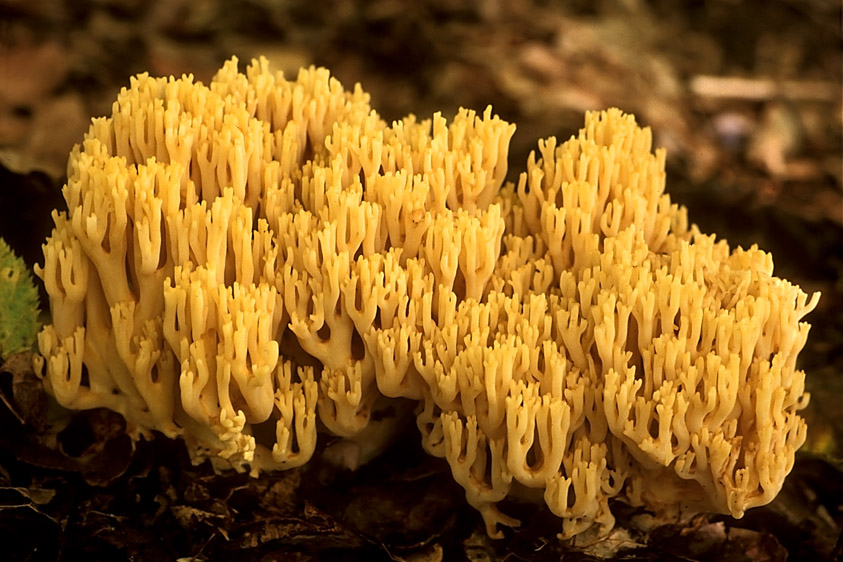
pixel 253 262
pixel 237 254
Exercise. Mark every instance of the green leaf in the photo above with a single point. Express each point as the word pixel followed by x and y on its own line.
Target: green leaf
pixel 18 304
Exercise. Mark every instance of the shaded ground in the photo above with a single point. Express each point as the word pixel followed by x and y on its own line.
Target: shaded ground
pixel 746 96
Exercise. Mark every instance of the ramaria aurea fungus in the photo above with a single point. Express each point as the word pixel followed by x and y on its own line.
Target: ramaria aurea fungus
pixel 250 263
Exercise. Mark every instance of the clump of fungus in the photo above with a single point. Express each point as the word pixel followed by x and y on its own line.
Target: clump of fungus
pixel 249 263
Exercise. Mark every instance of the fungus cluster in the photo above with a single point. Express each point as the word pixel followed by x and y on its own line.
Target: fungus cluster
pixel 248 264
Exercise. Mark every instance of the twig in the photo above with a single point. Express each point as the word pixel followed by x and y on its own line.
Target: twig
pixel 764 88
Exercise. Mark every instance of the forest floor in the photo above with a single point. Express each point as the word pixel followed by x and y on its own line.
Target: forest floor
pixel 745 95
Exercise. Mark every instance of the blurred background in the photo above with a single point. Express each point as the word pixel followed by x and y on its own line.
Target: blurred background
pixel 745 95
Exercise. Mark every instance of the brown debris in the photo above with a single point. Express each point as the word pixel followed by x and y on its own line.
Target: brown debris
pixel 449 54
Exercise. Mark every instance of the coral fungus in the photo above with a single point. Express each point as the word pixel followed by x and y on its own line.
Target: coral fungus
pixel 253 262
